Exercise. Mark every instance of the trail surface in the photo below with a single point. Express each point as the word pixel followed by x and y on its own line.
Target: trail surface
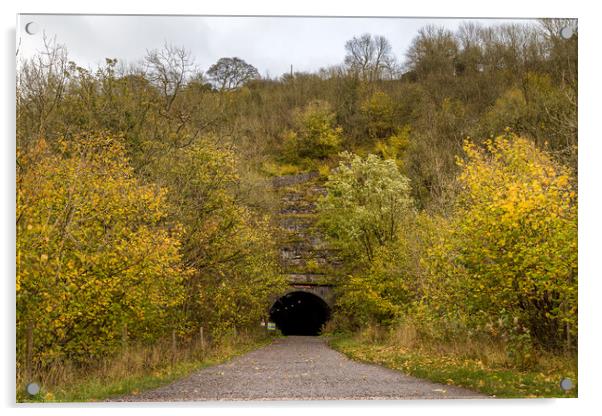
pixel 299 368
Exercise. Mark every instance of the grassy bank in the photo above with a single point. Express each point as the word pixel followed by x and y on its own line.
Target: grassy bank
pixel 492 378
pixel 139 370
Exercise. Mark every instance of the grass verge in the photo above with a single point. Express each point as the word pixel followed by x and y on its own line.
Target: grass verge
pixel 99 387
pixel 448 369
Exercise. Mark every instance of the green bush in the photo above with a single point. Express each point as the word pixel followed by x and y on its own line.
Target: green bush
pixel 315 135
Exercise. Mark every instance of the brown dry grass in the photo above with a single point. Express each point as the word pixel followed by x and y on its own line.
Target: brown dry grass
pixel 494 353
pixel 140 365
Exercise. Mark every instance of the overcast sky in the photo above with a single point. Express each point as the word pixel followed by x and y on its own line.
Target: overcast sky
pixel 271 44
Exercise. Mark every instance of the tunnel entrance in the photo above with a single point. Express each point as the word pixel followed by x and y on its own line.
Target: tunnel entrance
pixel 299 313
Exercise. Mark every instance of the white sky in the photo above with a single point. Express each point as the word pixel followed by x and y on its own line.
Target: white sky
pixel 271 44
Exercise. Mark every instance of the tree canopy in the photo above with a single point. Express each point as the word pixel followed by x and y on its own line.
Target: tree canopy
pixel 230 73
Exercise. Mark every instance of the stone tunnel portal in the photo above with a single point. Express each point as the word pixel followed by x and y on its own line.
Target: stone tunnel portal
pixel 300 313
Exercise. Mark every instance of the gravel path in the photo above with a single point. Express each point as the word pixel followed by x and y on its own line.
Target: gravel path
pixel 299 368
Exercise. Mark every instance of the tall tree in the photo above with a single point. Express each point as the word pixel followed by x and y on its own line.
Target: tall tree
pixel 168 69
pixel 230 73
pixel 370 57
pixel 432 51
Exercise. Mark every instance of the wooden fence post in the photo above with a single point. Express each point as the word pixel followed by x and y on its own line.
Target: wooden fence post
pixel 202 339
pixel 568 337
pixel 567 328
pixel 124 338
pixel 29 353
pixel 173 346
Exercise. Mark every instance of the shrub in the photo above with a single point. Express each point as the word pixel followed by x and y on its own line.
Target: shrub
pixel 315 135
pixel 512 242
pixel 93 253
pixel 365 203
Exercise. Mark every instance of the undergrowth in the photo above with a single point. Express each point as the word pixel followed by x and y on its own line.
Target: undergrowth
pixel 482 366
pixel 139 369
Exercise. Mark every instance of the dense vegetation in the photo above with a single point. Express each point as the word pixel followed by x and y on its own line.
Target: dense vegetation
pixel 143 197
pixel 134 225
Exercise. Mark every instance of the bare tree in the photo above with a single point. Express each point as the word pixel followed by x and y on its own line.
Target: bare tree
pixel 230 73
pixel 168 69
pixel 370 57
pixel 41 83
pixel 434 50
pixel 560 51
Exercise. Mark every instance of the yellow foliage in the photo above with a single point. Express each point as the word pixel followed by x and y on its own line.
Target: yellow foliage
pixel 92 252
pixel 511 246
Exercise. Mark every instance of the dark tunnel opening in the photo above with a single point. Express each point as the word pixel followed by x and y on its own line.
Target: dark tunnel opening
pixel 300 313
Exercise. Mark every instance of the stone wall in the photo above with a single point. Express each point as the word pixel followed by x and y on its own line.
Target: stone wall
pixel 305 257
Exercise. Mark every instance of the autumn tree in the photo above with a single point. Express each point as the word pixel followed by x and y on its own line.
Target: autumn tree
pixel 315 135
pixel 228 247
pixel 93 251
pixel 388 288
pixel 512 243
pixel 368 214
pixel 379 113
